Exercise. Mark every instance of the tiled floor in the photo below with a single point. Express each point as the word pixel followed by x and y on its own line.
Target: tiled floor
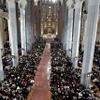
pixel 41 88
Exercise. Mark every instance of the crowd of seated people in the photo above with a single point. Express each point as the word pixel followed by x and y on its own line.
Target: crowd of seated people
pixel 96 68
pixel 95 76
pixel 19 80
pixel 7 57
pixel 64 79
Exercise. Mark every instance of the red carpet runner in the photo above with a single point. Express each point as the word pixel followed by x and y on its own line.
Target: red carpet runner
pixel 41 89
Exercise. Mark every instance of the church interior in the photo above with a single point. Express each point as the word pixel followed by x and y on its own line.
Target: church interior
pixel 49 49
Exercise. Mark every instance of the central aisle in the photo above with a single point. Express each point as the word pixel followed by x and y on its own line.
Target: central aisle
pixel 41 89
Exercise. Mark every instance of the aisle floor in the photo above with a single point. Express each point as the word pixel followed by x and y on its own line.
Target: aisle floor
pixel 41 88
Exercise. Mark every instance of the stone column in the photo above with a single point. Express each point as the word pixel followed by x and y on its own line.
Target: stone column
pixel 64 37
pixel 12 27
pixel 1 48
pixel 84 35
pixel 1 67
pixel 22 5
pixel 1 35
pixel 65 27
pixel 69 32
pixel 76 33
pixel 90 38
pixel 29 36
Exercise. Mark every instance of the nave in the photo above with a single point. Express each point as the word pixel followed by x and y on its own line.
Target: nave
pixel 46 73
pixel 49 49
pixel 41 90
